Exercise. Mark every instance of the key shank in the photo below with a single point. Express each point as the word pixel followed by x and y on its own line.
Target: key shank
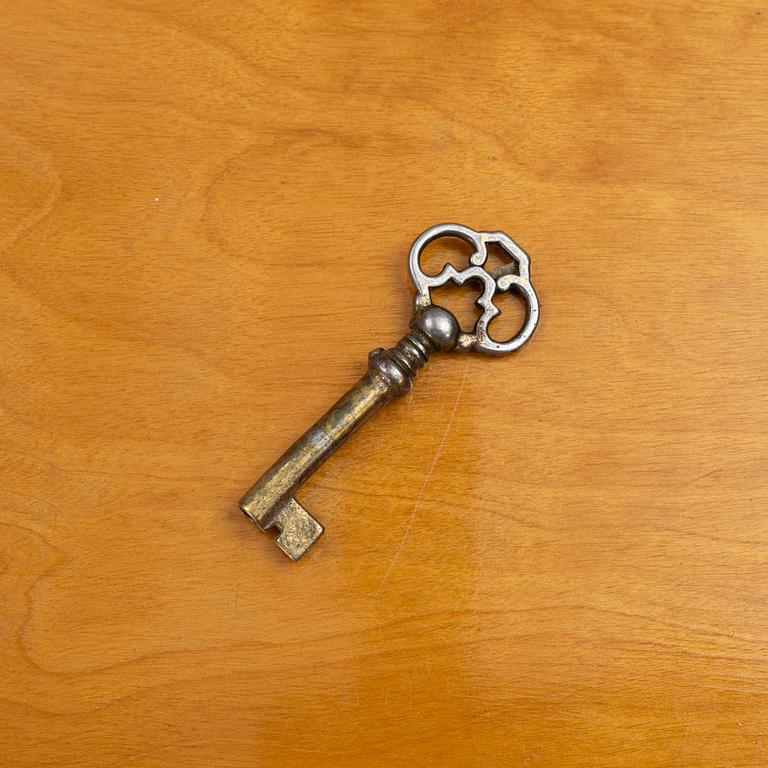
pixel 270 502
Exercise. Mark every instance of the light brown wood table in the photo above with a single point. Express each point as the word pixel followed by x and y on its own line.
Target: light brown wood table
pixel 558 558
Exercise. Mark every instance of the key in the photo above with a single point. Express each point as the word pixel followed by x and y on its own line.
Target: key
pixel 271 502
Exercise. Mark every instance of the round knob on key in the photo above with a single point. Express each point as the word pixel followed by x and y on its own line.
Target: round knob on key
pixel 270 503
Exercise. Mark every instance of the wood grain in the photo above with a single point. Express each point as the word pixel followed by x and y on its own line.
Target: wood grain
pixel 554 559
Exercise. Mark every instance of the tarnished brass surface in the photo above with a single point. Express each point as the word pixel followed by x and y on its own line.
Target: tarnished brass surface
pixel 270 502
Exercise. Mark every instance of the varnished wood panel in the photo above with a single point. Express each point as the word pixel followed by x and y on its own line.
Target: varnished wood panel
pixel 554 559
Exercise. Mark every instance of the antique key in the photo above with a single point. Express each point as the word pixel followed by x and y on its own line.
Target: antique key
pixel 270 502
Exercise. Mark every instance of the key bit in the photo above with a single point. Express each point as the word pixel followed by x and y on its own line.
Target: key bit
pixel 271 502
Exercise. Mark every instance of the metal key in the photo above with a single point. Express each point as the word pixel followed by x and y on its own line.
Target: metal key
pixel 270 502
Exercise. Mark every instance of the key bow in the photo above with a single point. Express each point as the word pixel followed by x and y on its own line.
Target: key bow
pixel 515 276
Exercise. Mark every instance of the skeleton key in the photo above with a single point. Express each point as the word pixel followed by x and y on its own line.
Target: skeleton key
pixel 270 502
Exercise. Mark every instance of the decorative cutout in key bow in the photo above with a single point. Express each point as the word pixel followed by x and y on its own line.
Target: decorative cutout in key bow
pixel 512 277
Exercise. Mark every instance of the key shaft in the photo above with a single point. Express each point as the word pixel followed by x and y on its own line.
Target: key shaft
pixel 270 501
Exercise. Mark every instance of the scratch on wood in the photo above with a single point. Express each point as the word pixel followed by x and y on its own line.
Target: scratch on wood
pixel 428 477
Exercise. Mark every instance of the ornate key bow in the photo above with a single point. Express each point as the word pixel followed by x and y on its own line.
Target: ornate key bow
pixel 514 275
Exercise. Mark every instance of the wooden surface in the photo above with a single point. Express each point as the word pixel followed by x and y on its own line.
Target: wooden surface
pixel 554 559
